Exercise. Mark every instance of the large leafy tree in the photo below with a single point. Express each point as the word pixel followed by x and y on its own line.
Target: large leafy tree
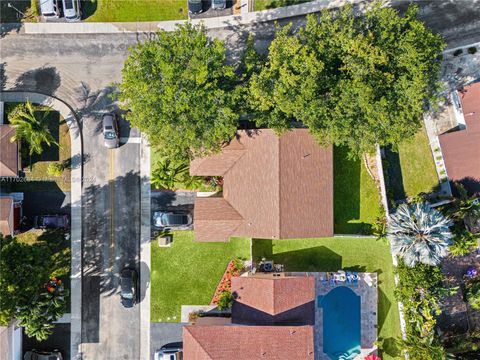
pixel 180 92
pixel 31 126
pixel 25 268
pixel 419 234
pixel 353 80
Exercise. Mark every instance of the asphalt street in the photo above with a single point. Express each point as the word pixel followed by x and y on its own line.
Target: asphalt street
pixel 80 70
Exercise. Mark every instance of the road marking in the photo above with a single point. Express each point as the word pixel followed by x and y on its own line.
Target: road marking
pixel 131 140
pixel 111 185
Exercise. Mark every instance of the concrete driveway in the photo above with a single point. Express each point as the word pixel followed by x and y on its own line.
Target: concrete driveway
pixel 164 333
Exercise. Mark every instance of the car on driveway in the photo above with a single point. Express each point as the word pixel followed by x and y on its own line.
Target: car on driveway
pixel 49 9
pixel 110 130
pixel 163 219
pixel 51 222
pixel 195 6
pixel 128 287
pixel 71 10
pixel 43 355
pixel 172 351
pixel 219 4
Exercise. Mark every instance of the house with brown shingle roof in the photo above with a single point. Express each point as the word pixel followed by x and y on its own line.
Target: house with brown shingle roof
pixel 274 187
pixel 9 159
pixel 250 334
pixel 10 214
pixel 461 145
pixel 267 300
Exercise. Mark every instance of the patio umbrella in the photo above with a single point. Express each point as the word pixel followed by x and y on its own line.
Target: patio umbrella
pixel 372 357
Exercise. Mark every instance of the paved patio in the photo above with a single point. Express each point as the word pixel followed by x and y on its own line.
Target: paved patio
pixel 368 292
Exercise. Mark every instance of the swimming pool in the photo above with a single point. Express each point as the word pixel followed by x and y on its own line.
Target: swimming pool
pixel 341 323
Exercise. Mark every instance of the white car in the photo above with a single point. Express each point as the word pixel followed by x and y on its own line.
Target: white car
pixel 172 351
pixel 71 10
pixel 49 9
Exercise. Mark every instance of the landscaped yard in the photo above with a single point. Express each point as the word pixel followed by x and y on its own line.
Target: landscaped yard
pixel 35 168
pixel 188 272
pixel 332 254
pixel 411 171
pixel 356 197
pixel 134 10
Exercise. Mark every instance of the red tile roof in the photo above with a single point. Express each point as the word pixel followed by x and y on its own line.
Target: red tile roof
pixel 461 149
pixel 274 295
pixel 248 342
pixel 282 187
pixel 6 216
pixel 8 152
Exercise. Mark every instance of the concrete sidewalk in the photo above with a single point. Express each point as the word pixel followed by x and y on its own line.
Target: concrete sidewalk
pixel 76 204
pixel 245 18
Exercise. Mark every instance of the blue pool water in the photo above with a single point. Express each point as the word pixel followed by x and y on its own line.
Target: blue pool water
pixel 341 323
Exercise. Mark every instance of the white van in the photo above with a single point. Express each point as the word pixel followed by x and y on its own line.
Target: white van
pixel 71 10
pixel 49 9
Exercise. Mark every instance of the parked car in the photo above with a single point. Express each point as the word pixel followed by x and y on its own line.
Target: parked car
pixel 110 130
pixel 172 351
pixel 219 4
pixel 49 9
pixel 195 6
pixel 71 10
pixel 163 219
pixel 43 355
pixel 128 287
pixel 51 222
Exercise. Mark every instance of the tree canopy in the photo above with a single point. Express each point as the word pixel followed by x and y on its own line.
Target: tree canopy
pixel 353 80
pixel 178 90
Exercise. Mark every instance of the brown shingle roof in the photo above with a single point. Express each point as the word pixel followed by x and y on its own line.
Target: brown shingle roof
pixel 461 149
pixel 8 152
pixel 6 216
pixel 248 342
pixel 274 295
pixel 282 187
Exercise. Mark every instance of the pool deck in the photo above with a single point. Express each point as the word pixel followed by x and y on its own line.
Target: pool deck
pixel 368 291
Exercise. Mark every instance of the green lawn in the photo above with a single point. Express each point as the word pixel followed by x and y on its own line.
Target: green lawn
pixel 356 197
pixel 332 254
pixel 418 168
pixel 35 168
pixel 188 272
pixel 272 4
pixel 134 10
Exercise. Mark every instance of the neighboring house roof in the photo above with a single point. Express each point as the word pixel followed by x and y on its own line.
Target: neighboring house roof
pixel 8 152
pixel 248 342
pixel 274 295
pixel 280 187
pixel 6 216
pixel 461 149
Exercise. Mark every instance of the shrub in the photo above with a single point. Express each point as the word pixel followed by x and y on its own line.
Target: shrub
pixel 473 294
pixel 464 243
pixel 238 264
pixel 55 169
pixel 472 50
pixel 225 300
pixel 458 52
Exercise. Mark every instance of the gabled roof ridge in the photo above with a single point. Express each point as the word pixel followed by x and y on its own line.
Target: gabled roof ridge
pixel 199 343
pixel 235 163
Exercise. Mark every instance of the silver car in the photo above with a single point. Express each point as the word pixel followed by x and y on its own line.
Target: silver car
pixel 110 130
pixel 219 4
pixel 71 10
pixel 163 219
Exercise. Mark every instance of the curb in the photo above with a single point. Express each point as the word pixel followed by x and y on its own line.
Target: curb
pixel 76 205
pixel 230 21
pixel 145 249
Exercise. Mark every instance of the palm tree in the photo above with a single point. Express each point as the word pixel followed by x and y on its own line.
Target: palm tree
pixel 168 174
pixel 464 207
pixel 31 127
pixel 419 233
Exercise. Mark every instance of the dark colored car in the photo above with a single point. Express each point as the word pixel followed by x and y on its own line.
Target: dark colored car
pixel 51 222
pixel 128 287
pixel 163 219
pixel 43 355
pixel 195 6
pixel 172 351
pixel 110 130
